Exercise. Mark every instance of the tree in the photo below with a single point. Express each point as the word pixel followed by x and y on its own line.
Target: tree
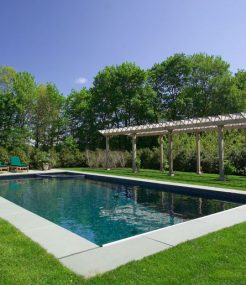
pixel 7 105
pixel 193 86
pixel 208 89
pixel 168 79
pixel 7 75
pixel 79 116
pixel 48 126
pixel 121 96
pixel 238 91
pixel 24 88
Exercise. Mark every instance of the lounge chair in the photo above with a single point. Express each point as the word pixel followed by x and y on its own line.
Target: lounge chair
pixel 16 164
pixel 3 167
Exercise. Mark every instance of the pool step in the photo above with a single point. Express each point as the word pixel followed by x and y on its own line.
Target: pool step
pixel 61 176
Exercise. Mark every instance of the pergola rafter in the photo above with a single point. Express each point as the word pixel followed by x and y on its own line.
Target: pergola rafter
pixel 194 125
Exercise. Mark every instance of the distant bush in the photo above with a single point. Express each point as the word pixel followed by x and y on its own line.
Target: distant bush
pixel 71 158
pixel 38 157
pixel 4 156
pixel 97 158
pixel 238 159
pixel 67 154
pixel 149 158
pixel 22 155
pixel 229 168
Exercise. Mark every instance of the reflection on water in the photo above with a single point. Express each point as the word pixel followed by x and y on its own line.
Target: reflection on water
pixel 104 212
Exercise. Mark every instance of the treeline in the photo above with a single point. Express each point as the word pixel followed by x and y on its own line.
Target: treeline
pixel 38 117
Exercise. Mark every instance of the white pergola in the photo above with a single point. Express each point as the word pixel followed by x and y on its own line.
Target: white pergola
pixel 195 125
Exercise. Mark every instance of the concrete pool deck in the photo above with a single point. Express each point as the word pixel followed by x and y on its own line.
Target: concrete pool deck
pixel 89 259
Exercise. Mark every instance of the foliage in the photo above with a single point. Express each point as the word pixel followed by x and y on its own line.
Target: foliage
pixel 39 157
pixel 229 168
pixel 48 121
pixel 138 163
pixel 182 86
pixel 97 158
pixel 196 86
pixel 4 156
pixel 121 96
pixel 21 153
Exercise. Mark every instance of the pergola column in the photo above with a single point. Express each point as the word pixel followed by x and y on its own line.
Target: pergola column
pixel 107 152
pixel 170 152
pixel 134 152
pixel 221 152
pixel 198 153
pixel 161 153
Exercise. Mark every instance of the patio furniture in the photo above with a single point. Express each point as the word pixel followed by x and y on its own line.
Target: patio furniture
pixel 17 165
pixel 3 167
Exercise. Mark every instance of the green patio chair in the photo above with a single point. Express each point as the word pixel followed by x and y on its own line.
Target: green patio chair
pixel 16 164
pixel 3 167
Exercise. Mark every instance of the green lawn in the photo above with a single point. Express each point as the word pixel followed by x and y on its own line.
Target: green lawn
pixel 233 181
pixel 218 258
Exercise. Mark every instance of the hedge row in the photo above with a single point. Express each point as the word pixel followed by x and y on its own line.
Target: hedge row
pixel 184 160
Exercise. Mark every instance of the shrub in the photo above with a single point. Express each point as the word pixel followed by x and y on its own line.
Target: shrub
pixel 138 163
pixel 54 159
pixel 22 155
pixel 97 158
pixel 4 156
pixel 150 158
pixel 229 168
pixel 39 157
pixel 71 158
pixel 238 159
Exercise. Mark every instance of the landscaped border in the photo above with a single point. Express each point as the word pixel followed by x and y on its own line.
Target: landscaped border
pixel 88 259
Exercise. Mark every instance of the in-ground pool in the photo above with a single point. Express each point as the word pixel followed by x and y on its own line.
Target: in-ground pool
pixel 103 212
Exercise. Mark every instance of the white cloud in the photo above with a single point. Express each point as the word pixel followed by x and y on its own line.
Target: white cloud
pixel 80 80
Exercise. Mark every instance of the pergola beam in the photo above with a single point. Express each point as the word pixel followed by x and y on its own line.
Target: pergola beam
pixel 231 121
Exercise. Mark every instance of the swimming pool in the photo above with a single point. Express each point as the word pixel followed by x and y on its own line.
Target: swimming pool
pixel 104 212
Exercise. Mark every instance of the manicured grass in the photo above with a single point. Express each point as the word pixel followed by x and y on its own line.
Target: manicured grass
pixel 233 181
pixel 218 258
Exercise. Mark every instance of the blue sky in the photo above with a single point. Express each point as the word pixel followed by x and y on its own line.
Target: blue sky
pixel 68 41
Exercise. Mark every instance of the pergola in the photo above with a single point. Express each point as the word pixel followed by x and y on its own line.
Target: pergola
pixel 195 125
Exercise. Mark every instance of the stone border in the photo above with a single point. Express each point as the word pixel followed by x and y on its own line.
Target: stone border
pixel 182 188
pixel 88 259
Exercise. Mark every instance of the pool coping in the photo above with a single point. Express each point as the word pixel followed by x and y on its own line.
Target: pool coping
pixel 88 259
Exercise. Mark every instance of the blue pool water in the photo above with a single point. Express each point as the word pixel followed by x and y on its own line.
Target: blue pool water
pixel 103 212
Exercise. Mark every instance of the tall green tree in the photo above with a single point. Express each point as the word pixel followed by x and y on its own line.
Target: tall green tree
pixel 238 91
pixel 208 89
pixel 168 79
pixel 7 104
pixel 24 88
pixel 121 96
pixel 48 123
pixel 192 86
pixel 7 76
pixel 79 116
